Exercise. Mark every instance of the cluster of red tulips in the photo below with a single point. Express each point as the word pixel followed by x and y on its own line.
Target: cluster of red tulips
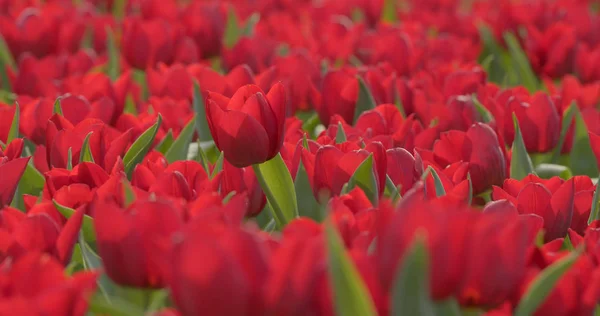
pixel 279 157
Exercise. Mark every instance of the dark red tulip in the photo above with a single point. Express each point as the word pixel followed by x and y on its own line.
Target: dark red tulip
pixel 552 199
pixel 248 128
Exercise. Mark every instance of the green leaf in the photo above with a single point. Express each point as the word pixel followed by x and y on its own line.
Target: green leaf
pixel 365 99
pixel 364 178
pixel 86 153
pixel 13 132
pixel 140 147
pixel 547 171
pixel 439 187
pixel 113 66
pixel 350 293
pixel 486 115
pixel 389 14
pixel 311 123
pixel 308 206
pixel 166 143
pixel 340 136
pixel 410 291
pixel 70 159
pixel 179 149
pixel 582 159
pixel 201 119
pixel 470 200
pixel 201 157
pixel 595 210
pixel 128 193
pixel 251 24
pixel 218 166
pixel 32 182
pixel 130 107
pixel 499 63
pixel 278 186
pixel 118 9
pixel 566 123
pixel 391 189
pixel 539 289
pixel 521 63
pixel 232 29
pixel 88 223
pixel 6 57
pixel 450 307
pixel 139 76
pixel 91 261
pixel 520 164
pixel 57 107
pixel 115 307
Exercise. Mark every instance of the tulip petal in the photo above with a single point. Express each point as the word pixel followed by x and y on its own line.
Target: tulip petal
pixel 11 172
pixel 241 137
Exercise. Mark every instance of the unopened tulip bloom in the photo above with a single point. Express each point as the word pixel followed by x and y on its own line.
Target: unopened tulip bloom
pixel 248 128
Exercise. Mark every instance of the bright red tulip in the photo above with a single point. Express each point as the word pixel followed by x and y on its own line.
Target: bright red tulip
pixel 249 127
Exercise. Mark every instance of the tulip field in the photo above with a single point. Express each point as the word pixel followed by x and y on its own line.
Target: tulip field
pixel 299 157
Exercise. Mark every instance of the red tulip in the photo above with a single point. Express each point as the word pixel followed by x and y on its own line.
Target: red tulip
pixel 339 95
pixel 36 284
pixel 127 237
pixel 218 273
pixel 447 236
pixel 243 180
pixel 550 199
pixel 146 43
pixel 249 127
pixel 38 232
pixel 300 76
pixel 479 148
pixel 330 168
pixel 538 119
pixel 496 257
pixel 11 168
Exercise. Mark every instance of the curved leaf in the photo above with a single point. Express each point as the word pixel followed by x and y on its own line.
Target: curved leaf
pixel 410 292
pixel 365 99
pixel 13 132
pixel 140 147
pixel 350 294
pixel 86 153
pixel 364 178
pixel 276 182
pixel 539 289
pixel 520 163
pixel 88 223
pixel 582 159
pixel 179 148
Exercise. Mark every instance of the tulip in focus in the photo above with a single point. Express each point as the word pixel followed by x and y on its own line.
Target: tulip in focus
pixel 248 128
